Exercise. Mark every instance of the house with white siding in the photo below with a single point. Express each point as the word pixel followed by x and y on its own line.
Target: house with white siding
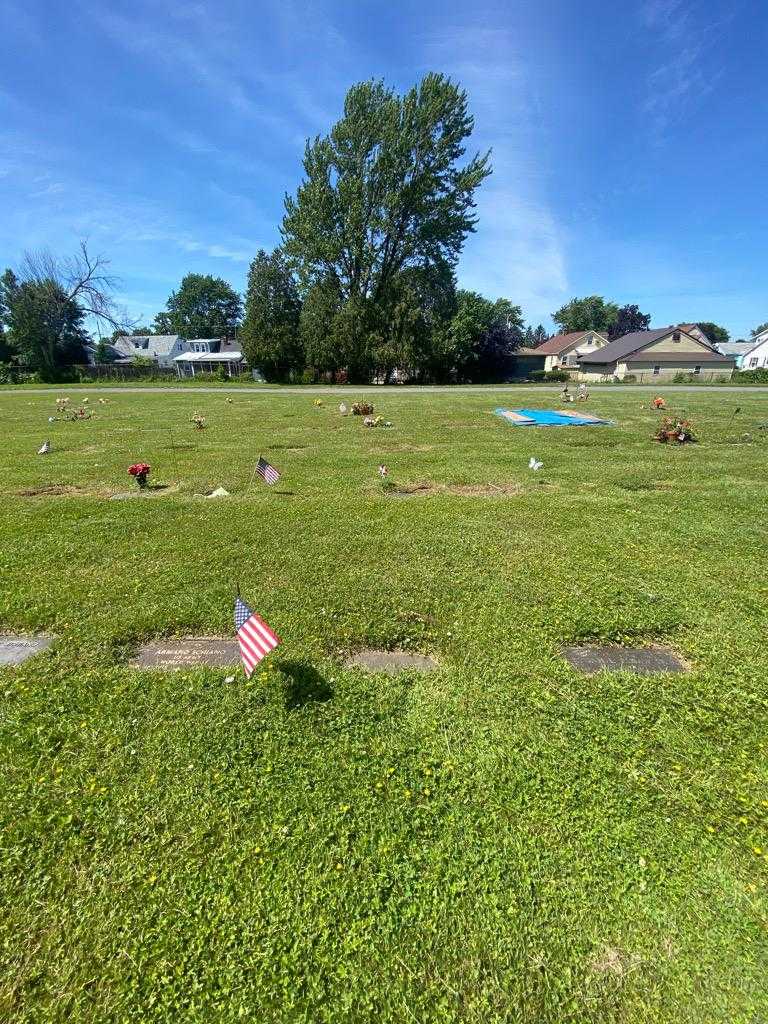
pixel 749 355
pixel 207 355
pixel 559 352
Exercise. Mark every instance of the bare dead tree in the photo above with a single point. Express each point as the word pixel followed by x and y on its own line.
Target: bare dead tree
pixel 82 279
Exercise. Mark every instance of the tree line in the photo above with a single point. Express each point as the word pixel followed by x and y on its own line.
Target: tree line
pixel 363 282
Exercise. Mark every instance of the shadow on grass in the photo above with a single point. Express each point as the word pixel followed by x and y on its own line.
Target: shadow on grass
pixel 303 685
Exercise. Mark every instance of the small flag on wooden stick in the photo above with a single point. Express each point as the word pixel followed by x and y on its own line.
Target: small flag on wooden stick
pixel 254 636
pixel 267 471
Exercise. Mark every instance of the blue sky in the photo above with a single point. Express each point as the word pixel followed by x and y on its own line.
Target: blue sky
pixel 630 139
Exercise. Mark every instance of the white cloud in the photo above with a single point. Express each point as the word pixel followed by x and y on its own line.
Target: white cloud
pixel 518 250
pixel 687 69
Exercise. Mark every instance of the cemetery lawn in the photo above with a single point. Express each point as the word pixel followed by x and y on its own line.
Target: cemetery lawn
pixel 500 840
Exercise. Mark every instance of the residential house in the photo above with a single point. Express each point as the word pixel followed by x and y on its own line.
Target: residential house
pixel 736 350
pixel 560 352
pixel 160 348
pixel 749 355
pixel 206 355
pixel 658 354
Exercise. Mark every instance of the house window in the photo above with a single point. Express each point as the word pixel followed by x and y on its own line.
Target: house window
pixel 676 336
pixel 590 340
pixel 753 361
pixel 697 369
pixel 656 371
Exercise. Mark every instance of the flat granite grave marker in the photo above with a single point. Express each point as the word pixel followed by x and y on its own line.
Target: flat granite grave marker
pixel 14 650
pixel 391 662
pixel 187 651
pixel 644 661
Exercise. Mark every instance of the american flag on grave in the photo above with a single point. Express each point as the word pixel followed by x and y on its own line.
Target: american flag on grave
pixel 267 471
pixel 254 636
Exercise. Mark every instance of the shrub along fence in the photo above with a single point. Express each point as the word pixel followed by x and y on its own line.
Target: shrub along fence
pixel 125 371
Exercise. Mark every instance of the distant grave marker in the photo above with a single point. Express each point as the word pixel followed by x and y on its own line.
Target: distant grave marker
pixel 644 661
pixel 391 662
pixel 14 650
pixel 171 655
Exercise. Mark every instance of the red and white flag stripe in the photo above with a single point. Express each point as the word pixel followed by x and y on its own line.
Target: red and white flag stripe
pixel 254 636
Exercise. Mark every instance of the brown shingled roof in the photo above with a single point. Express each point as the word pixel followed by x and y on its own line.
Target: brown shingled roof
pixel 560 342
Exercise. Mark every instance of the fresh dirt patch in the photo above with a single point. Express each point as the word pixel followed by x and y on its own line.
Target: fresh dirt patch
pixel 391 662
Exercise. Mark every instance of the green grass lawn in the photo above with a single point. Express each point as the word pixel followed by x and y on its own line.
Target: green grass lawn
pixel 501 840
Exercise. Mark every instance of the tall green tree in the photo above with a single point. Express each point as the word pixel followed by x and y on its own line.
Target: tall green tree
pixel 7 282
pixel 46 327
pixel 483 336
pixel 204 307
pixel 319 310
pixel 716 334
pixel 759 329
pixel 592 313
pixel 384 193
pixel 412 332
pixel 540 335
pixel 628 320
pixel 270 332
pixel 46 306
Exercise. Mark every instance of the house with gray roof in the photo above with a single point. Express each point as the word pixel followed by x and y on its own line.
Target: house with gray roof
pixel 656 355
pixel 160 348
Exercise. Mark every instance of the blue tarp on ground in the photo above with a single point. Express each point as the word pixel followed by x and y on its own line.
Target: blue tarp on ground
pixel 548 418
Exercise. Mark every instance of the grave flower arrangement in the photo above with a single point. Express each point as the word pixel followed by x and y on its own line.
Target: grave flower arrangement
pixel 674 430
pixel 659 403
pixel 198 420
pixel 140 471
pixel 73 415
pixel 362 408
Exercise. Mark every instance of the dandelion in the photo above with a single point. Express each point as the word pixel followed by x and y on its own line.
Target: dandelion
pixel 758 850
